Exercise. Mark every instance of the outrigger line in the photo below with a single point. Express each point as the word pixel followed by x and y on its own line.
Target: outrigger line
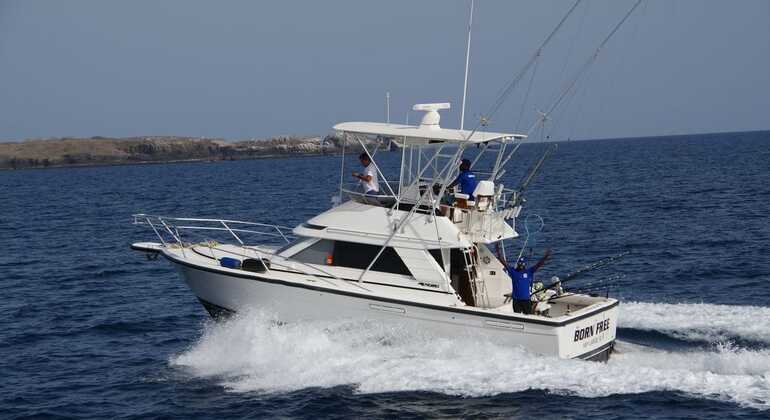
pixel 505 91
pixel 590 267
pixel 532 234
pixel 583 69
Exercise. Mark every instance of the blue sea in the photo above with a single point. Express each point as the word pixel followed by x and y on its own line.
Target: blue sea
pixel 90 329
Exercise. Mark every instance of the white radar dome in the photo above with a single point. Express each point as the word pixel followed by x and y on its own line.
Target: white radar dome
pixel 431 118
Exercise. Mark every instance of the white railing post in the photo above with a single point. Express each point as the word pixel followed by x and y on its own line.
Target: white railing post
pixel 231 232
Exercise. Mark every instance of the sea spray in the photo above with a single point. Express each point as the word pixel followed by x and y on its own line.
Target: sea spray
pixel 251 353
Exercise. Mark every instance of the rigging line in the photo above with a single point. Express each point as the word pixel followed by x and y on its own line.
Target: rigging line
pixel 562 111
pixel 530 234
pixel 574 41
pixel 583 90
pixel 531 62
pixel 566 64
pixel 510 85
pixel 526 96
pixel 621 65
pixel 585 66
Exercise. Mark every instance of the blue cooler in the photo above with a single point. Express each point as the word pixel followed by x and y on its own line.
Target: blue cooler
pixel 228 262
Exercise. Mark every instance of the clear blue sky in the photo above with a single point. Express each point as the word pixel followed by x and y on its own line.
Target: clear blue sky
pixel 244 69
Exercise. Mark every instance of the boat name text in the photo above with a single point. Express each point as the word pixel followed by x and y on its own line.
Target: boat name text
pixel 591 330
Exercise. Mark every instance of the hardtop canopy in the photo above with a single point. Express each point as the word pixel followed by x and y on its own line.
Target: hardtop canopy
pixel 417 135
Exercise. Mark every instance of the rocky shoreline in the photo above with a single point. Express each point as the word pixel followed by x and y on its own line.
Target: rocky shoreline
pixel 94 151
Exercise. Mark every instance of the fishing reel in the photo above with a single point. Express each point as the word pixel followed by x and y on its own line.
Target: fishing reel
pixel 556 282
pixel 543 295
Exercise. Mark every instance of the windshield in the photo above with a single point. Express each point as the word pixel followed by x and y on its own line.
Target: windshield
pixel 289 245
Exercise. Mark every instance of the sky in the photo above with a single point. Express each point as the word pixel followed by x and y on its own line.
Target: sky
pixel 256 69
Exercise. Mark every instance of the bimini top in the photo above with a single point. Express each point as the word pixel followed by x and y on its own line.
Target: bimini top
pixel 429 130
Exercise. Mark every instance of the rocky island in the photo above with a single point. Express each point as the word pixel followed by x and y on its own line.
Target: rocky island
pixel 44 153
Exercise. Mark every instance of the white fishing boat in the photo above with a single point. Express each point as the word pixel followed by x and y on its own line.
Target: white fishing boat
pixel 406 254
pixel 416 252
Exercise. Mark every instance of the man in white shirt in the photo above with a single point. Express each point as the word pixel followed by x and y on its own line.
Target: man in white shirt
pixel 368 178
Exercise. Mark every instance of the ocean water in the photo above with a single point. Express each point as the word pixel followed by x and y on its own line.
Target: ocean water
pixel 91 329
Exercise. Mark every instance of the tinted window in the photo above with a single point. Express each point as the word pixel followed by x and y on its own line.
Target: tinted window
pixel 348 254
pixel 353 255
pixel 316 253
pixel 289 245
pixel 436 253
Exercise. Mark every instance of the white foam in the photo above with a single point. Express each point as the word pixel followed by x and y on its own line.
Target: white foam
pixel 699 321
pixel 250 354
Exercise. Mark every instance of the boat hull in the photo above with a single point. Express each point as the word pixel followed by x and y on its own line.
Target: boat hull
pixel 224 294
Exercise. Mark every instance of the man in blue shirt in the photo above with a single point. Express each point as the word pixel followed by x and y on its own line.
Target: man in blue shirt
pixel 521 279
pixel 466 179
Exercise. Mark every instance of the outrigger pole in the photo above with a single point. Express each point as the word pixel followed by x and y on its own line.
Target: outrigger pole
pixel 513 82
pixel 584 68
pixel 467 61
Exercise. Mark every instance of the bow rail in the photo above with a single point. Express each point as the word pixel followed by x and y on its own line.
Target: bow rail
pixel 171 229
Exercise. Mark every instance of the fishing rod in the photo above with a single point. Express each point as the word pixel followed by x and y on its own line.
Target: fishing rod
pixel 593 288
pixel 590 267
pixel 594 266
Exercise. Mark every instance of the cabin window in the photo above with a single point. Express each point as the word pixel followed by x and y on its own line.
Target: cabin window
pixel 289 245
pixel 352 255
pixel 436 253
pixel 318 253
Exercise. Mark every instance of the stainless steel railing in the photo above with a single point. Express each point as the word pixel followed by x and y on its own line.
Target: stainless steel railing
pixel 170 229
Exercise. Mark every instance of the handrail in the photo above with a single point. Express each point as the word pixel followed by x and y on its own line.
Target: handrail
pixel 231 230
pixel 173 230
pixel 194 219
pixel 222 225
pixel 500 200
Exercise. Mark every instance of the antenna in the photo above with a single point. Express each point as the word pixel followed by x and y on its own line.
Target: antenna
pixel 467 60
pixel 387 107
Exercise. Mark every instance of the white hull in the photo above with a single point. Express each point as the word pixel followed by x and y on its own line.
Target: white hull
pixel 288 300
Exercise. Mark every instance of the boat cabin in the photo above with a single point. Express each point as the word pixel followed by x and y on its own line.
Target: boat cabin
pixel 416 233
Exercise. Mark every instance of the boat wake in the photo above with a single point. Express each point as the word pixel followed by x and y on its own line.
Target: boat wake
pixel 700 322
pixel 250 353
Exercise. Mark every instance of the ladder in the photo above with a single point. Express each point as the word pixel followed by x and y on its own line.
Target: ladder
pixel 477 283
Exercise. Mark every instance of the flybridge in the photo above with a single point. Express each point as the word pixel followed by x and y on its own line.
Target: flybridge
pixel 430 156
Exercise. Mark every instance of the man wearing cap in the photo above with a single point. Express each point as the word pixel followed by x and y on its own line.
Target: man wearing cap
pixel 521 279
pixel 466 179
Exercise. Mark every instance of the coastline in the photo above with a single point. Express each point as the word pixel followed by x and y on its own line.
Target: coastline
pixel 103 151
pixel 72 152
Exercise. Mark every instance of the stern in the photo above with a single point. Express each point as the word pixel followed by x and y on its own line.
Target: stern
pixel 590 337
